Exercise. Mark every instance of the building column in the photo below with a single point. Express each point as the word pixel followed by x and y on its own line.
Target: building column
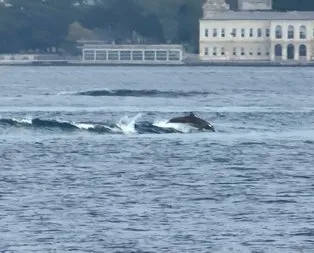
pixel 308 52
pixel 272 53
pixel 83 55
pixel 284 52
pixel 296 52
pixel 94 55
pixel 181 55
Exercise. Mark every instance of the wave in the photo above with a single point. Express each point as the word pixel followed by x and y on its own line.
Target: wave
pixel 141 93
pixel 126 125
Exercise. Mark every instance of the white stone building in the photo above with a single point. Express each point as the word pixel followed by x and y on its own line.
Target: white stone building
pixel 255 33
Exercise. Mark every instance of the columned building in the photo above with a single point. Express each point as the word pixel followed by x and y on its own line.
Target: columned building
pixel 255 33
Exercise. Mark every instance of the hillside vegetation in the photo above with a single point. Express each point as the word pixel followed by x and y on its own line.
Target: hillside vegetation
pixel 42 25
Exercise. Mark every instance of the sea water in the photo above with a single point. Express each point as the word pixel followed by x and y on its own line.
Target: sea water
pixel 89 162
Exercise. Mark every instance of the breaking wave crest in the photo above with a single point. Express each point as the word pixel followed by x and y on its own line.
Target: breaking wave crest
pixel 126 125
pixel 141 93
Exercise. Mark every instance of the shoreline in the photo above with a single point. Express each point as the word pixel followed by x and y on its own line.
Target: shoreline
pixel 183 64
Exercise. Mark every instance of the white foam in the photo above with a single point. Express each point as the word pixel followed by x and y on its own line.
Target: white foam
pixel 23 121
pixel 84 125
pixel 127 124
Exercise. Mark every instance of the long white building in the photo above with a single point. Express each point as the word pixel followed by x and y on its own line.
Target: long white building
pixel 97 53
pixel 255 33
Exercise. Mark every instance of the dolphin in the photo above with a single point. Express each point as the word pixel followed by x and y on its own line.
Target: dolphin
pixel 194 121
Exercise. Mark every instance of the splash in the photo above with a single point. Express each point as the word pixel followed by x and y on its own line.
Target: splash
pixel 127 124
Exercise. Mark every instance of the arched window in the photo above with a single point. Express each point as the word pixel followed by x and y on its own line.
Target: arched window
pixel 278 50
pixel 290 32
pixel 303 32
pixel 278 32
pixel 290 52
pixel 302 50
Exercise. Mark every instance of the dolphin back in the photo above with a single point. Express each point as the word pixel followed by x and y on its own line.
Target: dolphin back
pixel 193 121
pixel 180 120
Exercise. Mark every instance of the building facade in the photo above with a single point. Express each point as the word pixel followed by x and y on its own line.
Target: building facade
pixel 255 34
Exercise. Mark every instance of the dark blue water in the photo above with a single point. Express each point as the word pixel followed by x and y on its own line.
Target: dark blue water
pixel 88 162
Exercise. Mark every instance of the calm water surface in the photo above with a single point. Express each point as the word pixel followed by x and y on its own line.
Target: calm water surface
pixel 88 162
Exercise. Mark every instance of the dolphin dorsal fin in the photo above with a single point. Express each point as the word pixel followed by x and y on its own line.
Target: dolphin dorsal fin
pixel 192 114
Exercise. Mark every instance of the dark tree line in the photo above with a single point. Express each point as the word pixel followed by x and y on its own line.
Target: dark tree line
pixel 38 24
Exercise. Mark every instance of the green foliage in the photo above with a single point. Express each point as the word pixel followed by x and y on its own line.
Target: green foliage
pixel 40 24
pixel 123 16
pixel 292 5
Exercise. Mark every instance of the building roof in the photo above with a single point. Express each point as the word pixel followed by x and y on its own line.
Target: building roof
pixel 262 15
pixel 132 46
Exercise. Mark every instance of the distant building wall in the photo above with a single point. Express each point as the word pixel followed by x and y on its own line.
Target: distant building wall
pixel 234 40
pixel 257 40
pixel 17 57
pixel 254 5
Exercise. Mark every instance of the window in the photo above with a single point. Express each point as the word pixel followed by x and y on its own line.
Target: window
pixel 174 55
pixel 290 52
pixel 251 53
pixel 278 32
pixel 234 32
pixel 113 55
pixel 302 32
pixel 206 51
pixel 89 55
pixel 125 55
pixel 101 55
pixel 259 52
pixel 278 50
pixel 251 32
pixel 234 51
pixel 267 32
pixel 290 32
pixel 215 51
pixel 223 31
pixel 215 32
pixel 206 32
pixel 222 51
pixel 242 51
pixel 149 55
pixel 137 55
pixel 161 55
pixel 259 32
pixel 242 32
pixel 302 50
